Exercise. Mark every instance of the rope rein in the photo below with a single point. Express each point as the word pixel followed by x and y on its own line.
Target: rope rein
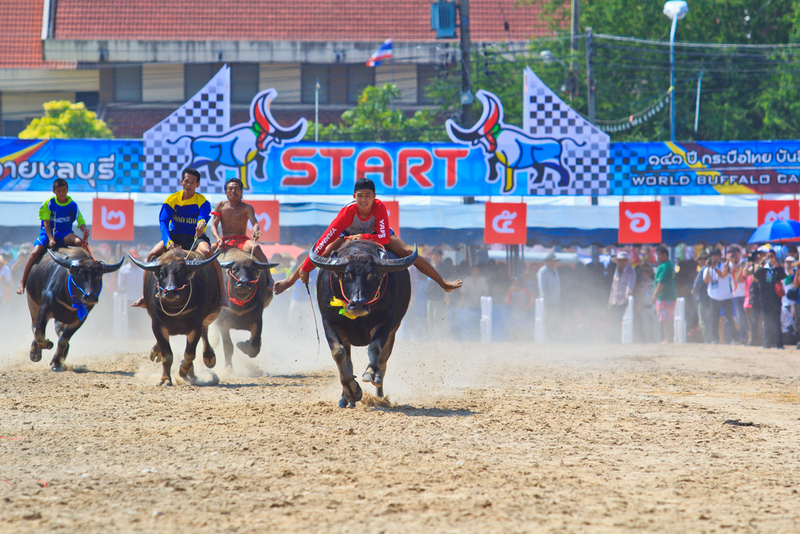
pixel 161 301
pixel 377 296
pixel 236 301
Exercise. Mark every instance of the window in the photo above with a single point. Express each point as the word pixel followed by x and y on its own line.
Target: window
pixel 426 74
pixel 244 82
pixel 359 77
pixel 196 76
pixel 310 73
pixel 128 84
pixel 90 99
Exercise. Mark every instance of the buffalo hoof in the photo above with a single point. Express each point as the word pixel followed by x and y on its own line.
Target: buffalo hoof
pixel 373 377
pixel 344 404
pixel 165 381
pixel 36 353
pixel 210 361
pixel 248 348
pixel 187 375
pixel 155 355
pixel 56 367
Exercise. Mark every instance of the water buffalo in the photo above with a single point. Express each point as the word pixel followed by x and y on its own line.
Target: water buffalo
pixel 363 295
pixel 63 286
pixel 181 294
pixel 249 286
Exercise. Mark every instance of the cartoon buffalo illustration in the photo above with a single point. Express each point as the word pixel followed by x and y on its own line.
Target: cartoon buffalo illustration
pixel 245 142
pixel 509 146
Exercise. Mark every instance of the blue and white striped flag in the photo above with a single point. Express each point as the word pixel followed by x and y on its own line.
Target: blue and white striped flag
pixel 381 54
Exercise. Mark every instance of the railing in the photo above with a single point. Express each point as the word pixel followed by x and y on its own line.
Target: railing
pixel 680 320
pixel 539 332
pixel 486 319
pixel 627 322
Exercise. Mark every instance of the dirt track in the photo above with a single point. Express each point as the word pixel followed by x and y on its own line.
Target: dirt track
pixel 497 438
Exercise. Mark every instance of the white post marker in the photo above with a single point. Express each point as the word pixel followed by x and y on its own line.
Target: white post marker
pixel 680 320
pixel 486 319
pixel 119 323
pixel 627 323
pixel 539 335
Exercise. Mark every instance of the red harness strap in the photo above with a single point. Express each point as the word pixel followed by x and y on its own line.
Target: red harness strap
pixel 236 301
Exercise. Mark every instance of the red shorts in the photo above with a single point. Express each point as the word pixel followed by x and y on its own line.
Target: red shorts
pixel 238 241
pixel 665 310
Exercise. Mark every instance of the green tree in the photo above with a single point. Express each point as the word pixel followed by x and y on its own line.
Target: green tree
pixel 65 120
pixel 374 119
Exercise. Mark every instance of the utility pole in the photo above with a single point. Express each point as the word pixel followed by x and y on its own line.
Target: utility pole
pixel 466 80
pixel 573 71
pixel 590 74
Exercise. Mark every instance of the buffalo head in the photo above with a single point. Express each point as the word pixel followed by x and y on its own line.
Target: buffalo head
pixel 485 131
pixel 360 275
pixel 173 271
pixel 265 126
pixel 245 273
pixel 86 276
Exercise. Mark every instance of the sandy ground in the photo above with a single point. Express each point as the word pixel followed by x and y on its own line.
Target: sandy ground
pixel 476 438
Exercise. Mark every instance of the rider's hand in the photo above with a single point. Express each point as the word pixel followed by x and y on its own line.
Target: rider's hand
pixel 256 234
pixel 51 243
pixel 304 276
pixel 170 245
pixel 352 237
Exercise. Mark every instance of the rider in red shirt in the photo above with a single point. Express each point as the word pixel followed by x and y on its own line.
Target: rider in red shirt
pixel 366 218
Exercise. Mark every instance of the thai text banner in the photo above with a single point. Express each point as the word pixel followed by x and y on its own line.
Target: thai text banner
pixel 703 168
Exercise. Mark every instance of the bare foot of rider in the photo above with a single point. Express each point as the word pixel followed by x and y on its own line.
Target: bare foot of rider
pixel 139 303
pixel 450 286
pixel 280 286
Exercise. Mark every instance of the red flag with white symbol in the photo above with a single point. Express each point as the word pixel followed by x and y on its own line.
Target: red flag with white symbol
pixel 506 223
pixel 778 210
pixel 639 223
pixel 393 209
pixel 112 219
pixel 268 215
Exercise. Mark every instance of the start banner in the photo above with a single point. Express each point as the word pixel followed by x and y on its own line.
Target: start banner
pixel 435 169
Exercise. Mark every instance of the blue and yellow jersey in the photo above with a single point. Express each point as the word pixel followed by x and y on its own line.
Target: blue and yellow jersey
pixel 61 216
pixel 180 216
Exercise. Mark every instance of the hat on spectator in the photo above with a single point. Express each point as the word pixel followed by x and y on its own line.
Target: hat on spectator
pixel 790 259
pixel 551 257
pixel 764 248
pixel 622 255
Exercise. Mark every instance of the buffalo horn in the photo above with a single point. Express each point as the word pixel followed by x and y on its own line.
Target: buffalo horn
pixel 112 268
pixel 262 265
pixel 61 260
pixel 149 266
pixel 329 264
pixel 389 265
pixel 193 265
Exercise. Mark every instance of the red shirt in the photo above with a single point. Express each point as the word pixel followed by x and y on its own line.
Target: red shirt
pixel 375 228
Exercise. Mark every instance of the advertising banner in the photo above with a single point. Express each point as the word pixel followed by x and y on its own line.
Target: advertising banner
pixel 506 223
pixel 778 210
pixel 639 223
pixel 112 219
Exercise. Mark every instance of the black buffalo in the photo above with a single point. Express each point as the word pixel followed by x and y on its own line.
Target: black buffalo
pixel 63 286
pixel 363 296
pixel 181 294
pixel 249 286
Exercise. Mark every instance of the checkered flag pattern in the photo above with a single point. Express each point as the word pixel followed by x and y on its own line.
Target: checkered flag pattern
pixel 546 115
pixel 206 113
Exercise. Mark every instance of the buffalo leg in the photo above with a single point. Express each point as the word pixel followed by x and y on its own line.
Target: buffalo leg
pixel 252 346
pixel 39 340
pixel 163 351
pixel 209 357
pixel 340 350
pixel 386 351
pixel 57 363
pixel 227 344
pixel 186 370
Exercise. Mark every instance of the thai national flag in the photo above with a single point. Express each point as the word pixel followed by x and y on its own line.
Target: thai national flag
pixel 381 54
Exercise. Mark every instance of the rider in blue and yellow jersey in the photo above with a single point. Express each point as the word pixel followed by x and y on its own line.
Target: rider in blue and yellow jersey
pixel 57 214
pixel 183 219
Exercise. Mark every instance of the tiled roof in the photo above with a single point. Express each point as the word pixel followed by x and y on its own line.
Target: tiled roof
pixel 282 20
pixel 21 36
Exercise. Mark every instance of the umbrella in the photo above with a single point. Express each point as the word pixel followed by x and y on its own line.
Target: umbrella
pixel 783 231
